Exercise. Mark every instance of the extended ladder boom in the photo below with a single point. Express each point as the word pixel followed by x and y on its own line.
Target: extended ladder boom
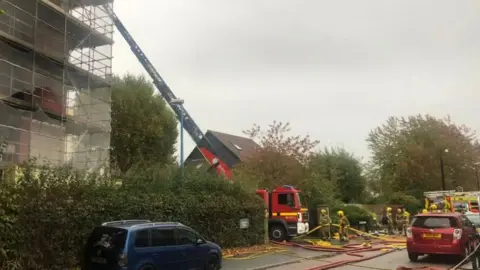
pixel 190 126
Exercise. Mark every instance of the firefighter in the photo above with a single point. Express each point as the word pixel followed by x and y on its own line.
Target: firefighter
pixel 325 222
pixel 433 208
pixel 447 207
pixel 424 211
pixel 376 224
pixel 399 220
pixel 406 221
pixel 389 221
pixel 344 226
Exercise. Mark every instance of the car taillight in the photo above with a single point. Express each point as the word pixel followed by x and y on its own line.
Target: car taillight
pixel 300 219
pixel 457 234
pixel 409 232
pixel 122 260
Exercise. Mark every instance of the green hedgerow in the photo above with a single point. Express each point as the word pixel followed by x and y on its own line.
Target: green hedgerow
pixel 47 214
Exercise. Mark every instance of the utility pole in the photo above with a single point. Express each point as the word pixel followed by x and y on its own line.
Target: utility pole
pixel 179 102
pixel 442 168
pixel 442 173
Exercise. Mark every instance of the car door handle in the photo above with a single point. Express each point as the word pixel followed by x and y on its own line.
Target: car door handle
pixel 156 255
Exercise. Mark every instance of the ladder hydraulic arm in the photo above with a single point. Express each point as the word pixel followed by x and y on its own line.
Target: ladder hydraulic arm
pixel 189 124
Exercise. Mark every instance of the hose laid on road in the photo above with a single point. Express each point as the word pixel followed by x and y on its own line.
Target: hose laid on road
pixel 358 232
pixel 353 253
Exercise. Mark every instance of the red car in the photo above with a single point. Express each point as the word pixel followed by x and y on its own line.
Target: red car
pixel 439 233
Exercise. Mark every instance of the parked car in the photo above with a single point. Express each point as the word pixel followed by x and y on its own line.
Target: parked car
pixel 145 245
pixel 439 233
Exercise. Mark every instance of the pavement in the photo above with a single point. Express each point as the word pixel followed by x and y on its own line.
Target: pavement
pixel 301 259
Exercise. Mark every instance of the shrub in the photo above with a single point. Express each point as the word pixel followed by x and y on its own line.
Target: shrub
pixel 409 202
pixel 354 213
pixel 48 214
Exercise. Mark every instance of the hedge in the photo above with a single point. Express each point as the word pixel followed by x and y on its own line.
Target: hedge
pixel 47 215
pixel 354 213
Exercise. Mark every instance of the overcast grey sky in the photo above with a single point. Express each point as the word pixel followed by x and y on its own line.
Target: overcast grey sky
pixel 334 69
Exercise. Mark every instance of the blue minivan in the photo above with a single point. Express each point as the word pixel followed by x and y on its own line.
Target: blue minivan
pixel 145 245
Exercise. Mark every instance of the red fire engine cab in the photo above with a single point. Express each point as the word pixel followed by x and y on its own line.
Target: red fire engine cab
pixel 286 217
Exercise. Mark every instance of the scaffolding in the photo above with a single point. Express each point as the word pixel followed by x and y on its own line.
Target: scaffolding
pixel 55 76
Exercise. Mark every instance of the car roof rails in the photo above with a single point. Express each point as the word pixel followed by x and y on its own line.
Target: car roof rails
pixel 151 224
pixel 126 222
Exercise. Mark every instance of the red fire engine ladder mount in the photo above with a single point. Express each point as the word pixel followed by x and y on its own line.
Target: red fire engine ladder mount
pixel 204 145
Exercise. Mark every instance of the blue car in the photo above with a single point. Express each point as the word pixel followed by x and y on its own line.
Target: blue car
pixel 145 245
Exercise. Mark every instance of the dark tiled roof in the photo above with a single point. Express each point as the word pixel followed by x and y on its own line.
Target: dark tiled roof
pixel 247 145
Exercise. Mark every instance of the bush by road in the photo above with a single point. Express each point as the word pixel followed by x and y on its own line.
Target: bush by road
pixel 47 214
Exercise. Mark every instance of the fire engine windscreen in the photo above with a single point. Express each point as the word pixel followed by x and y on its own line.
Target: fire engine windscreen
pixel 300 201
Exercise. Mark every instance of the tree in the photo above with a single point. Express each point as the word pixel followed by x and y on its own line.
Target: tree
pixel 281 159
pixel 407 154
pixel 144 130
pixel 343 170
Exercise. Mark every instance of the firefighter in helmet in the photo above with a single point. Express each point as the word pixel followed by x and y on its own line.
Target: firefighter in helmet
pixel 344 225
pixel 389 220
pixel 325 222
pixel 433 208
pixel 424 211
pixel 399 220
pixel 406 221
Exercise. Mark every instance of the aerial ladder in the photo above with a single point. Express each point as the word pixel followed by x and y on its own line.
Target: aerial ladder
pixel 202 142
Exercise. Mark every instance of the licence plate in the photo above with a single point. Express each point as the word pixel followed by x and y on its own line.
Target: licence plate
pixel 99 260
pixel 432 235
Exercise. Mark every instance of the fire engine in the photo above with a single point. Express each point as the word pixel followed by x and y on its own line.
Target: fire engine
pixel 453 201
pixel 286 217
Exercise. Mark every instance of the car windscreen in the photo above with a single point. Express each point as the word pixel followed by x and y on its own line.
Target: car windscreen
pixel 433 222
pixel 475 219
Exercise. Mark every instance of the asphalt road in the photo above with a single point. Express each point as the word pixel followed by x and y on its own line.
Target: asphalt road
pixel 301 260
pixel 385 262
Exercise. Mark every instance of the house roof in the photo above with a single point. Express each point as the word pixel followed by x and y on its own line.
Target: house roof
pixel 240 146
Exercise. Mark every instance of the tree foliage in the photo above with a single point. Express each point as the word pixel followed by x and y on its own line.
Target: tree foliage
pixel 343 170
pixel 406 155
pixel 143 128
pixel 281 158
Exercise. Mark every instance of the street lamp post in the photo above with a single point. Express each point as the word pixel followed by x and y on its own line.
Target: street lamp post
pixel 179 102
pixel 442 169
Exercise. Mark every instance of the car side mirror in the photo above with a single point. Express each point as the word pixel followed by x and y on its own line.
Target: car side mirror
pixel 200 241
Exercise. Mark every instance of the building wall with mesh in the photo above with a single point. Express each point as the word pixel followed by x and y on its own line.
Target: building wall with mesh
pixel 55 75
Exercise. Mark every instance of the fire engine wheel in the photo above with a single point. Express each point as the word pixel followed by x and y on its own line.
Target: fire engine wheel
pixel 277 233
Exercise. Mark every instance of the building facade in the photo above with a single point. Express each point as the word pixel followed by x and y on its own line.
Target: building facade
pixel 55 75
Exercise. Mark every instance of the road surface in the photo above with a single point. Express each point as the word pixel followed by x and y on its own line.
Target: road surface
pixel 385 262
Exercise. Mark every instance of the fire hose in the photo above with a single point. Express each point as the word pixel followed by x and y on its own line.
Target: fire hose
pixel 354 250
pixel 358 232
pixel 388 245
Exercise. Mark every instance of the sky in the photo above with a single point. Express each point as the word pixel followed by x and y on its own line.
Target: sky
pixel 334 69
